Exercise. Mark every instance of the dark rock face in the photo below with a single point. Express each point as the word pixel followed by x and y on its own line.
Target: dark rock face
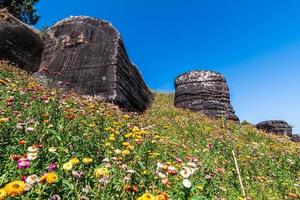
pixel 295 138
pixel 88 55
pixel 20 45
pixel 206 92
pixel 275 126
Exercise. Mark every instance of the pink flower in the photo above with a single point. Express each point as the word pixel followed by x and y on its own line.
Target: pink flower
pixel 52 167
pixel 24 178
pixel 178 160
pixel 165 181
pixel 23 164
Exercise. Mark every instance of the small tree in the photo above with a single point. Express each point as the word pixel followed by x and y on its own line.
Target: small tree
pixel 22 9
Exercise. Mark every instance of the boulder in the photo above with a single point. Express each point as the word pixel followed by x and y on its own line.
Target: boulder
pixel 88 55
pixel 206 92
pixel 295 138
pixel 275 126
pixel 19 44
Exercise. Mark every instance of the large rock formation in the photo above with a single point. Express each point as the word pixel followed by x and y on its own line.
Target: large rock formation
pixel 206 92
pixel 295 138
pixel 88 55
pixel 19 44
pixel 275 126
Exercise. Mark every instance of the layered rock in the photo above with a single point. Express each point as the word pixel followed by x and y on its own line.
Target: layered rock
pixel 19 44
pixel 295 138
pixel 206 92
pixel 275 126
pixel 88 55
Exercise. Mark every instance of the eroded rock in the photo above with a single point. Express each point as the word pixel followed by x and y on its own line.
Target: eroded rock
pixel 19 44
pixel 275 126
pixel 88 55
pixel 295 138
pixel 206 92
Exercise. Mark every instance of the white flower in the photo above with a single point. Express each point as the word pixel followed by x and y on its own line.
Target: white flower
pixel 191 164
pixel 32 149
pixel 130 171
pixel 104 180
pixel 105 160
pixel 31 180
pixel 186 172
pixel 161 175
pixel 186 183
pixel 27 187
pixel 32 156
pixel 127 179
pixel 29 129
pixel 114 158
pixel 172 168
pixel 193 170
pixel 118 151
pixel 159 165
pixel 20 126
pixel 52 149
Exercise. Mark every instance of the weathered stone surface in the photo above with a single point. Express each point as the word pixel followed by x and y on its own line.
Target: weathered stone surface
pixel 206 92
pixel 88 55
pixel 275 126
pixel 20 45
pixel 295 138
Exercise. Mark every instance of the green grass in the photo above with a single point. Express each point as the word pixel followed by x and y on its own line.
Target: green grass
pixel 79 127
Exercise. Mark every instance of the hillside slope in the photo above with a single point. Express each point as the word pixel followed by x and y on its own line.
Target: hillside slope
pixel 62 144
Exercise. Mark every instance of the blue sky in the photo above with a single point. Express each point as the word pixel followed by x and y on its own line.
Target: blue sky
pixel 254 43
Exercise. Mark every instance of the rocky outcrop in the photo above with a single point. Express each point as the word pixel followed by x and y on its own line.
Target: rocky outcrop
pixel 88 55
pixel 206 92
pixel 295 138
pixel 275 126
pixel 19 44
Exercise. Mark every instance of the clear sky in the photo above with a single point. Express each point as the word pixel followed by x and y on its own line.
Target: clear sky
pixel 254 43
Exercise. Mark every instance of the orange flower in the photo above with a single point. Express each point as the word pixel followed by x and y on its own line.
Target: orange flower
pixel 49 178
pixel 293 196
pixel 22 142
pixel 162 196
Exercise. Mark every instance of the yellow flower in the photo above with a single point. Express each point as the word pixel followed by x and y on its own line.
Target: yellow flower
pixel 67 166
pixel 147 196
pixel 126 144
pixel 125 152
pixel 74 161
pixel 112 138
pixel 126 116
pixel 3 194
pixel 135 129
pixel 14 188
pixel 143 132
pixel 51 178
pixel 3 120
pixel 100 172
pixel 87 160
pixel 165 167
pixel 128 135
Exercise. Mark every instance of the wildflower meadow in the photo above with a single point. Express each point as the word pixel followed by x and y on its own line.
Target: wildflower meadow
pixel 60 145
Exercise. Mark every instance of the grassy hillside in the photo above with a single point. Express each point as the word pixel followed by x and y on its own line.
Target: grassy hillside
pixel 65 145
